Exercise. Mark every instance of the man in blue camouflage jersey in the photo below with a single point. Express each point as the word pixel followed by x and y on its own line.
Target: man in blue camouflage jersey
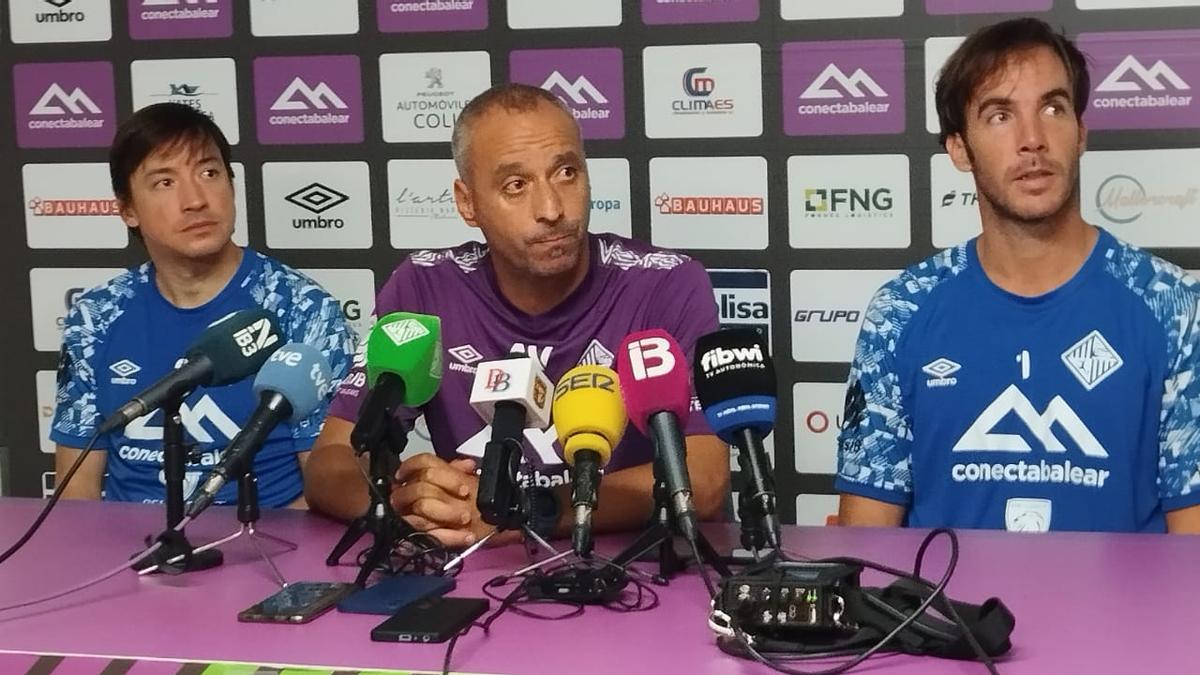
pixel 1043 375
pixel 171 174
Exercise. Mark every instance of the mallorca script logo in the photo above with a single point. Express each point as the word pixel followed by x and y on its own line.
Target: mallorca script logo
pixel 1122 199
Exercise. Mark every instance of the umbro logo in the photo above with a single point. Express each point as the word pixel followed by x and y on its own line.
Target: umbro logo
pixel 1155 78
pixel 940 372
pixel 858 85
pixel 124 370
pixel 316 198
pixel 1092 360
pixel 464 356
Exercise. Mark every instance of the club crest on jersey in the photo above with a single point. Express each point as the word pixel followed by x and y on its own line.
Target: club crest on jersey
pixel 1092 360
pixel 940 372
pixel 596 355
pixel 405 331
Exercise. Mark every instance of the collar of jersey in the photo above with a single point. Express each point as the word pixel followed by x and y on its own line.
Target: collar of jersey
pixel 1093 263
pixel 249 257
pixel 549 322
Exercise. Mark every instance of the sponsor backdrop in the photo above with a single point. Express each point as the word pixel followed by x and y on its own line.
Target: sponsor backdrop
pixel 787 144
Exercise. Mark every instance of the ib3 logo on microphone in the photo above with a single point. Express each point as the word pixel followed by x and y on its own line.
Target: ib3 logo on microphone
pixel 650 357
pixel 256 337
pixel 498 380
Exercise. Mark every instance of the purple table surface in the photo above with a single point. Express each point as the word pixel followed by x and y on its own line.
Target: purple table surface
pixel 1085 603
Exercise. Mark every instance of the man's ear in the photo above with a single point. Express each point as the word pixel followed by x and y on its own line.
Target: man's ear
pixel 956 147
pixel 128 214
pixel 464 201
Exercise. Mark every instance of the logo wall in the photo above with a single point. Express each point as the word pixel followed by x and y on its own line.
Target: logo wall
pixel 308 99
pixel 818 419
pixel 709 202
pixel 806 10
pixel 827 310
pixel 953 203
pixel 937 52
pixel 590 82
pixel 52 291
pixel 208 85
pixel 423 93
pixel 610 196
pixel 985 6
pixel 317 204
pixel 421 210
pixel 354 291
pixel 698 11
pixel 64 105
pixel 303 17
pixel 405 16
pixel 703 91
pixel 175 19
pixel 1143 80
pixel 847 87
pixel 70 206
pixel 1130 193
pixel 848 201
pixel 743 299
pixel 563 13
pixel 60 21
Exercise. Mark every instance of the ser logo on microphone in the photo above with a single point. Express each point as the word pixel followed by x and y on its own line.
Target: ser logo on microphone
pixel 497 380
pixel 255 337
pixel 719 359
pixel 650 357
pixel 585 381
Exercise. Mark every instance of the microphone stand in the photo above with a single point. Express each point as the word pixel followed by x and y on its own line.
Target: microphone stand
pixel 175 546
pixel 756 500
pixel 387 529
pixel 505 504
pixel 661 531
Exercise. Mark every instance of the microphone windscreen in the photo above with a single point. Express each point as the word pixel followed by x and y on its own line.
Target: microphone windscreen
pixel 516 378
pixel 653 374
pixel 735 381
pixel 300 373
pixel 237 345
pixel 588 412
pixel 410 346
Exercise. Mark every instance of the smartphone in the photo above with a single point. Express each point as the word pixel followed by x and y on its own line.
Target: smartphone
pixel 392 594
pixel 430 620
pixel 298 602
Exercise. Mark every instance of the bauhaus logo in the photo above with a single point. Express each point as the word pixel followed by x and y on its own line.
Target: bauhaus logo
pixel 858 85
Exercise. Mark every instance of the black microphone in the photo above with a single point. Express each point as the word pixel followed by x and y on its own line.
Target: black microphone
pixel 230 349
pixel 735 381
pixel 291 385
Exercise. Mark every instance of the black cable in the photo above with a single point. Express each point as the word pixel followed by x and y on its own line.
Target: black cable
pixel 58 490
pixel 708 584
pixel 418 552
pixel 936 590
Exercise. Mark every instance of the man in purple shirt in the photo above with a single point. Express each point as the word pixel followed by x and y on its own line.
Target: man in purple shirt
pixel 541 285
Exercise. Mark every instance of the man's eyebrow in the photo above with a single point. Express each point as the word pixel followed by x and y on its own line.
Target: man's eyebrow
pixel 991 101
pixel 507 168
pixel 1057 92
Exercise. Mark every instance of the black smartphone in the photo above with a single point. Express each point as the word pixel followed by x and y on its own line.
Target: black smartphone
pixel 393 594
pixel 430 620
pixel 298 602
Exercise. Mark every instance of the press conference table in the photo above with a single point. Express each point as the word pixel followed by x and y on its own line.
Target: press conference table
pixel 1085 603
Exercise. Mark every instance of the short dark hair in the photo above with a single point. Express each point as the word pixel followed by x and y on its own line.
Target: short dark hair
pixel 986 51
pixel 512 96
pixel 158 127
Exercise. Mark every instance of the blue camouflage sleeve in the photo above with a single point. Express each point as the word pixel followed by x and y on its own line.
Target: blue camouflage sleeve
pixel 317 320
pixel 1179 429
pixel 874 446
pixel 75 410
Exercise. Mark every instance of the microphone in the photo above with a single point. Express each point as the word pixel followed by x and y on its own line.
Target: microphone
pixel 510 394
pixel 404 368
pixel 654 383
pixel 291 385
pixel 229 350
pixel 589 417
pixel 735 381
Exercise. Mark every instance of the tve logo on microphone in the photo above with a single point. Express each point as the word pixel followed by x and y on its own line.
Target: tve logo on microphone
pixel 650 357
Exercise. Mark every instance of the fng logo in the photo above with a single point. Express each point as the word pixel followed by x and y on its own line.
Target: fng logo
pixel 650 357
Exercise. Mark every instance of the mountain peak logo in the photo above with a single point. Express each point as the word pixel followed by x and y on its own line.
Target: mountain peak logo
pixel 980 437
pixel 854 85
pixel 56 99
pixel 574 90
pixel 321 97
pixel 1155 78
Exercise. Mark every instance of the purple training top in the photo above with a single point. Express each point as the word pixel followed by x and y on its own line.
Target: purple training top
pixel 630 286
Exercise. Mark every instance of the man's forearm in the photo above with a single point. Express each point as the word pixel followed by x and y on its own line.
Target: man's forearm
pixel 334 483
